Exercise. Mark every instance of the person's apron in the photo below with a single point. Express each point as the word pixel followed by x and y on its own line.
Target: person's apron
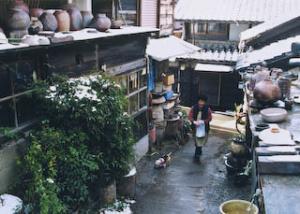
pixel 200 141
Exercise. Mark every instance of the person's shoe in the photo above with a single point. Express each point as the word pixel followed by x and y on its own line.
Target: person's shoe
pixel 196 159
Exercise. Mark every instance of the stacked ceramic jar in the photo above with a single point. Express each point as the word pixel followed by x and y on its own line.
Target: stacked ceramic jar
pixel 22 20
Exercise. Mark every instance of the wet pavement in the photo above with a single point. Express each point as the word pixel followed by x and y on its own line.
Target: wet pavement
pixel 186 187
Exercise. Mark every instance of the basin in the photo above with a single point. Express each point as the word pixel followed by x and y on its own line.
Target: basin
pixel 238 207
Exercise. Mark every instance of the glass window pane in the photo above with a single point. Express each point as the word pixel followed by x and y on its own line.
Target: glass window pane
pixel 133 104
pixel 5 84
pixel 143 98
pixel 216 28
pixel 122 81
pixel 143 78
pixel 25 109
pixel 7 114
pixel 133 82
pixel 23 77
pixel 201 27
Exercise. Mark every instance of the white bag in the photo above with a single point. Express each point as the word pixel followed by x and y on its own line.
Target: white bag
pixel 200 130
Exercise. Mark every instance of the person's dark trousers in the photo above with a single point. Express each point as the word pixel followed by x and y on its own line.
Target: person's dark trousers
pixel 198 152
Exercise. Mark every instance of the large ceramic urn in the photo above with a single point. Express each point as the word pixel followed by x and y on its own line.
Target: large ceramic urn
pixel 49 21
pixel 36 12
pixel 18 23
pixel 75 16
pixel 63 20
pixel 101 22
pixel 87 17
pixel 19 4
pixel 266 92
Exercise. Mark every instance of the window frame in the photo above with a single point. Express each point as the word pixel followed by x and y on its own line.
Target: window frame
pixel 137 92
pixel 207 32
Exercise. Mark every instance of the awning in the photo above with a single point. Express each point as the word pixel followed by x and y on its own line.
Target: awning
pixel 169 47
pixel 213 68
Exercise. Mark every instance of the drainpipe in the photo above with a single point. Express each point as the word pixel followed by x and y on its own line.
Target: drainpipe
pixel 193 30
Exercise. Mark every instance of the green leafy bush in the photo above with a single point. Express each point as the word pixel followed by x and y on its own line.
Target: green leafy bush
pixel 85 141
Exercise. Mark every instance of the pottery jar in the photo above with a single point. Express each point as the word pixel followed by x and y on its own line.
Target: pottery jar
pixel 101 22
pixel 36 26
pixel 19 4
pixel 18 23
pixel 36 12
pixel 116 23
pixel 63 20
pixel 87 17
pixel 75 19
pixel 49 21
pixel 266 92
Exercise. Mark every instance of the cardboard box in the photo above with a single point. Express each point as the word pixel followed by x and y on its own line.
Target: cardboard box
pixel 169 79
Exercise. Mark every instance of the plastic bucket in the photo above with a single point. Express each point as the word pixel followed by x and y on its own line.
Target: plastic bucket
pixel 238 207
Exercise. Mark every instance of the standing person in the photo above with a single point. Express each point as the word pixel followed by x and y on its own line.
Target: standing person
pixel 200 114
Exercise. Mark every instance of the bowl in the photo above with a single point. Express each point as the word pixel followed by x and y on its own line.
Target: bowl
pixel 238 206
pixel 261 126
pixel 273 115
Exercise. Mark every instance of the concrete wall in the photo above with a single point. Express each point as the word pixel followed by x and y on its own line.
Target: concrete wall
pixel 235 30
pixel 8 161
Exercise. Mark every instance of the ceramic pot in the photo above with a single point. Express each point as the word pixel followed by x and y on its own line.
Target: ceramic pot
pixel 116 23
pixel 238 148
pixel 266 92
pixel 21 5
pixel 36 12
pixel 273 115
pixel 87 17
pixel 63 20
pixel 36 26
pixel 49 21
pixel 18 23
pixel 101 22
pixel 75 19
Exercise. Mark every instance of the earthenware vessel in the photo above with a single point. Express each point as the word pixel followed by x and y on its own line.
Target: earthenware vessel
pixel 19 4
pixel 36 12
pixel 18 23
pixel 116 23
pixel 87 17
pixel 63 20
pixel 36 26
pixel 75 19
pixel 266 92
pixel 49 21
pixel 101 22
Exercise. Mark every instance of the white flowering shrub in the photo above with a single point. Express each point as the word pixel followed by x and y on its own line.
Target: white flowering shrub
pixel 84 141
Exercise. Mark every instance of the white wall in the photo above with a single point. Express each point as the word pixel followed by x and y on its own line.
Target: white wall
pixel 235 30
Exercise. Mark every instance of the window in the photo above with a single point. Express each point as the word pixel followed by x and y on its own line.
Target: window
pixel 135 86
pixel 211 28
pixel 128 11
pixel 15 101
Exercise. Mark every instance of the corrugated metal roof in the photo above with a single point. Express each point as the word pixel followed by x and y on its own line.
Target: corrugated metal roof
pixel 276 49
pixel 168 47
pixel 235 10
pixel 257 30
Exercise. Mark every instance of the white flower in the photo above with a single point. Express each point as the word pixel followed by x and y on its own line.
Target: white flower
pixel 52 88
pixel 50 180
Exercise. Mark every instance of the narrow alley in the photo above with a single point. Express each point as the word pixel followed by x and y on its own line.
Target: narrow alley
pixel 187 187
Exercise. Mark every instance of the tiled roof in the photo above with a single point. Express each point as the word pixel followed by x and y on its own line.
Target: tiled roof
pixel 272 25
pixel 275 50
pixel 215 52
pixel 235 10
pixel 212 56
